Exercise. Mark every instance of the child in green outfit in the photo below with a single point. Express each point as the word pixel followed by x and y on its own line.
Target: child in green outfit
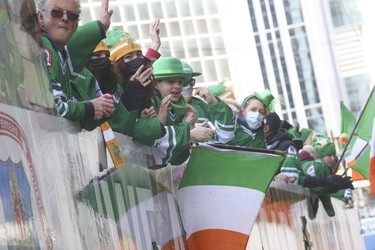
pixel 170 105
pixel 326 150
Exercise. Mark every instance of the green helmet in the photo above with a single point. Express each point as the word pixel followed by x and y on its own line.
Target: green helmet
pixel 169 67
pixel 189 69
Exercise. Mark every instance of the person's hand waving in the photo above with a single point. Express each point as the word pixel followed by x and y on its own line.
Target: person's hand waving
pixel 105 14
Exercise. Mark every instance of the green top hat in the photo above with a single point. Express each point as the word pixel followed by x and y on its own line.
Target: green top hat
pixel 169 67
pixel 265 97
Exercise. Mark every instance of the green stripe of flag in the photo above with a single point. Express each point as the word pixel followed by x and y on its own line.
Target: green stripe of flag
pixel 211 166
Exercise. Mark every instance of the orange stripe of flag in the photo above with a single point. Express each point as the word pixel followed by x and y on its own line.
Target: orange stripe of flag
pixel 372 175
pixel 217 239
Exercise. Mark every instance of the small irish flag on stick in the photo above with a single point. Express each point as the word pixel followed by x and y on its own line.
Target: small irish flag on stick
pixel 220 195
pixel 112 145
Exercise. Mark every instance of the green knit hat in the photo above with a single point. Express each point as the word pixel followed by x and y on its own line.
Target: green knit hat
pixel 265 97
pixel 170 67
pixel 305 132
pixel 323 145
pixel 120 44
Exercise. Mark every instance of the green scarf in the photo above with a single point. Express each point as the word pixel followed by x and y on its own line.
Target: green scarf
pixel 179 106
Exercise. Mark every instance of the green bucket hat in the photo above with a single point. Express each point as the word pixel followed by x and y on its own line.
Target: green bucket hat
pixel 169 67
pixel 189 69
pixel 323 145
pixel 265 97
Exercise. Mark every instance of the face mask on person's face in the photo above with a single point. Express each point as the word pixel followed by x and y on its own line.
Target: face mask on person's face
pixel 254 120
pixel 187 92
pixel 101 63
pixel 133 65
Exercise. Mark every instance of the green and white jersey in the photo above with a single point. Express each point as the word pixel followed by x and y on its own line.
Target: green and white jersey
pixel 173 147
pixel 246 138
pixel 291 165
pixel 219 114
pixel 64 66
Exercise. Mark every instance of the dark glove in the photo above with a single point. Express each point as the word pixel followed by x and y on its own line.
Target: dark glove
pixel 132 98
pixel 334 183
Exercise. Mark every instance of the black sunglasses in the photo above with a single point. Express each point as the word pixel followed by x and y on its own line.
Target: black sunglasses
pixel 191 83
pixel 56 13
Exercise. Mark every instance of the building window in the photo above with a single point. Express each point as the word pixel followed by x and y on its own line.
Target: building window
pixel 304 66
pixel 345 12
pixel 315 120
pixel 293 11
pixel 265 14
pixel 252 16
pixel 184 8
pixel 358 88
pixel 261 62
pixel 273 12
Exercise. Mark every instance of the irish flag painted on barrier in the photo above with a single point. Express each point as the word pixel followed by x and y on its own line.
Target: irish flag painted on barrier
pixel 220 195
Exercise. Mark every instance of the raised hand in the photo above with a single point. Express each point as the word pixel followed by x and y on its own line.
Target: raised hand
pixel 142 77
pixel 164 109
pixel 206 94
pixel 154 32
pixel 189 118
pixel 105 14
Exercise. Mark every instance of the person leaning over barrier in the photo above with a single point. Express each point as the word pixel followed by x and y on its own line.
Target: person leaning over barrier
pixel 173 147
pixel 291 170
pixel 210 108
pixel 129 64
pixel 249 130
pixel 318 168
pixel 98 79
pixel 68 54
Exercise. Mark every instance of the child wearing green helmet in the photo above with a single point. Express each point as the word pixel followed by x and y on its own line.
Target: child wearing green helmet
pixel 173 147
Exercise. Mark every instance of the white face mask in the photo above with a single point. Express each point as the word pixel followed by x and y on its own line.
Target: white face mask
pixel 254 120
pixel 187 92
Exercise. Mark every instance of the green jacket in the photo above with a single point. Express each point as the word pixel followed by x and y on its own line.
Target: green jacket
pixel 221 116
pixel 121 121
pixel 316 168
pixel 173 147
pixel 64 66
pixel 146 131
pixel 247 138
